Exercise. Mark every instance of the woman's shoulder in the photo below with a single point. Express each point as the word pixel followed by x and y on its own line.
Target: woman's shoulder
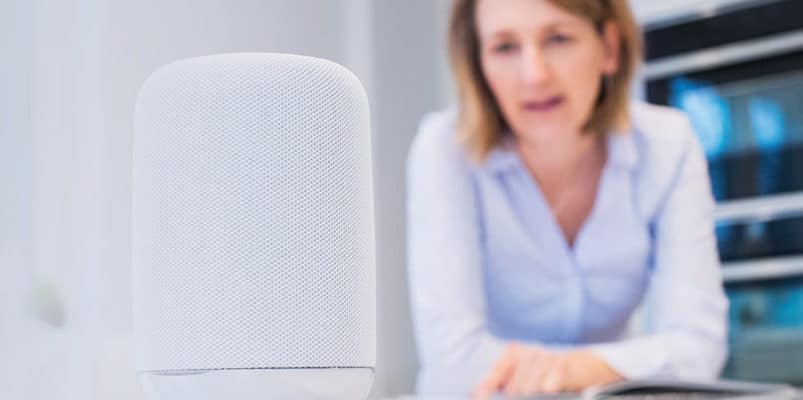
pixel 435 145
pixel 664 138
pixel 666 145
pixel 662 130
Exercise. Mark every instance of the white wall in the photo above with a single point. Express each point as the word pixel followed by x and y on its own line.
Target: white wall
pixel 409 56
pixel 15 178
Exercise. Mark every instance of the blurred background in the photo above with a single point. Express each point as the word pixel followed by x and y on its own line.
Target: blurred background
pixel 69 77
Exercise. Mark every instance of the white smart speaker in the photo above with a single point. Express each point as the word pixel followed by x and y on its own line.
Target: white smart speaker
pixel 252 230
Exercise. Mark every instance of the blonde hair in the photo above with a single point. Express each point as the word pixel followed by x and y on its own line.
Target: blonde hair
pixel 480 121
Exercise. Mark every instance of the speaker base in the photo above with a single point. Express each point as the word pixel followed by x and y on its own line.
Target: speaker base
pixel 262 384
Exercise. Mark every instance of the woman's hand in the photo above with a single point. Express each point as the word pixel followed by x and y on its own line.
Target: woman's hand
pixel 525 369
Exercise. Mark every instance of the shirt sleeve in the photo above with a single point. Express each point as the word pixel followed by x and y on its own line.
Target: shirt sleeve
pixel 687 308
pixel 447 297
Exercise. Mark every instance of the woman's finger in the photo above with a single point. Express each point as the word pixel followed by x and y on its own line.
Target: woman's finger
pixel 553 379
pixel 515 385
pixel 539 373
pixel 532 384
pixel 521 377
pixel 498 374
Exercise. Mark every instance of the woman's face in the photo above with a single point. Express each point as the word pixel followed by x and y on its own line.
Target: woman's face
pixel 543 65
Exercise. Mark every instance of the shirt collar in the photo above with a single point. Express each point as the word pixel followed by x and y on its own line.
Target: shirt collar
pixel 622 151
pixel 503 157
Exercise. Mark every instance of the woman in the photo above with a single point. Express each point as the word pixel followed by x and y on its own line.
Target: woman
pixel 543 208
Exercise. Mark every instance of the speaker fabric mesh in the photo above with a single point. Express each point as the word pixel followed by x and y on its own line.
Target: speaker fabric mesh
pixel 252 216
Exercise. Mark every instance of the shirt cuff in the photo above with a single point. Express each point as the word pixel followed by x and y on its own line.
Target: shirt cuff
pixel 462 375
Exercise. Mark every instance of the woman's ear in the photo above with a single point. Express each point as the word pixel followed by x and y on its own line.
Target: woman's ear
pixel 611 43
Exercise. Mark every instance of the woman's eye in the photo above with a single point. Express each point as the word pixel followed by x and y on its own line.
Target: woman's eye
pixel 559 39
pixel 504 47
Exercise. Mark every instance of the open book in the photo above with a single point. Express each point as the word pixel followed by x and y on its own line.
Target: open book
pixel 678 390
pixel 660 389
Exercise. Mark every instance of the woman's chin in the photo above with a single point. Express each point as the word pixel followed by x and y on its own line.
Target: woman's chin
pixel 545 132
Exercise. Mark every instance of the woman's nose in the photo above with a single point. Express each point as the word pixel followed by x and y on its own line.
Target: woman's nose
pixel 535 69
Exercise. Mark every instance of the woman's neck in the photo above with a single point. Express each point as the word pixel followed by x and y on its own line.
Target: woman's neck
pixel 558 160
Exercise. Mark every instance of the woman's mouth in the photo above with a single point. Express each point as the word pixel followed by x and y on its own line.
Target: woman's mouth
pixel 548 104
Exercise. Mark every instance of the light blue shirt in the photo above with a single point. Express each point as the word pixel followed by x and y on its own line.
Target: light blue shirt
pixel 488 263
